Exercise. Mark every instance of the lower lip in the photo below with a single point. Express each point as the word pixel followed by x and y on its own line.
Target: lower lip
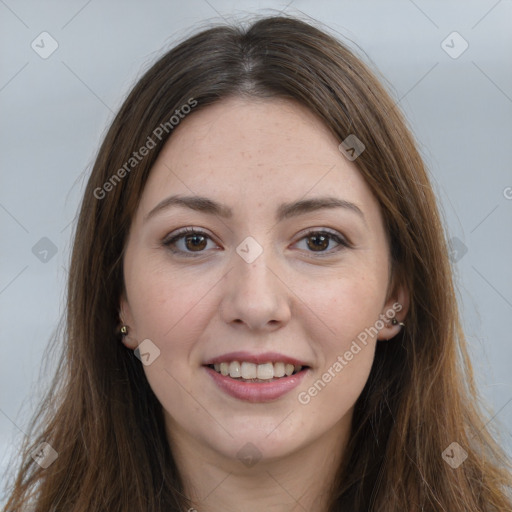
pixel 256 391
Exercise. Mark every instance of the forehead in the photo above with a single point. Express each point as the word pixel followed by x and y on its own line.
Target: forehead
pixel 254 152
pixel 258 132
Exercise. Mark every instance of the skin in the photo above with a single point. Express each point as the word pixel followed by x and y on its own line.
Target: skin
pixel 252 155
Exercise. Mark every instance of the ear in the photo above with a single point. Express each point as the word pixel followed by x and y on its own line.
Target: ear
pixel 126 318
pixel 396 306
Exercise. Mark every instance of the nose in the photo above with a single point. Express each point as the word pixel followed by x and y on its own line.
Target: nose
pixel 256 294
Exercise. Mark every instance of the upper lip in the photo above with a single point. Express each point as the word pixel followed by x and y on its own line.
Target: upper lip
pixel 265 357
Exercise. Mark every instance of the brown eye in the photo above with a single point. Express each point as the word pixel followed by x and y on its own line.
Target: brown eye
pixel 319 242
pixel 187 242
pixel 194 242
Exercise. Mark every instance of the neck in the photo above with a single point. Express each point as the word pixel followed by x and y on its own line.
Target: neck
pixel 300 481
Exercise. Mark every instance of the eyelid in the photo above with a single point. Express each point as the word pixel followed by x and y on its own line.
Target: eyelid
pixel 329 231
pixel 185 231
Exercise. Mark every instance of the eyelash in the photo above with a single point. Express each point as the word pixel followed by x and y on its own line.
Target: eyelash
pixel 191 231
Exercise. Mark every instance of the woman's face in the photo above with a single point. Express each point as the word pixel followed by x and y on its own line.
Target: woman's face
pixel 263 288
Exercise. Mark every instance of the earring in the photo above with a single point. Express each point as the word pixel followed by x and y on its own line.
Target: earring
pixel 123 330
pixel 395 322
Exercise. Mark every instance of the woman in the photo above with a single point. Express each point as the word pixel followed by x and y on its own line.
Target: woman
pixel 261 313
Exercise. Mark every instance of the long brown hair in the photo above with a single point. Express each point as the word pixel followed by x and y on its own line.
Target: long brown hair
pixel 101 415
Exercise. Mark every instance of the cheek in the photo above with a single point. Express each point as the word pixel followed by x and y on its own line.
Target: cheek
pixel 353 303
pixel 170 311
pixel 161 300
pixel 351 308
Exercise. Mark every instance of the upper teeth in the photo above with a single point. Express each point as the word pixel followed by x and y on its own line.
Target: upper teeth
pixel 264 371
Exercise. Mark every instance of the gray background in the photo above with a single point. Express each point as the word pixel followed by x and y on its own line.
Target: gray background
pixel 54 112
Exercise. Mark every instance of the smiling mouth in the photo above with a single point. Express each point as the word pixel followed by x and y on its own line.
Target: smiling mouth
pixel 251 372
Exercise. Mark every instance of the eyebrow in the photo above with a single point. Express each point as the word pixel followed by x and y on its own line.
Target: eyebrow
pixel 284 211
